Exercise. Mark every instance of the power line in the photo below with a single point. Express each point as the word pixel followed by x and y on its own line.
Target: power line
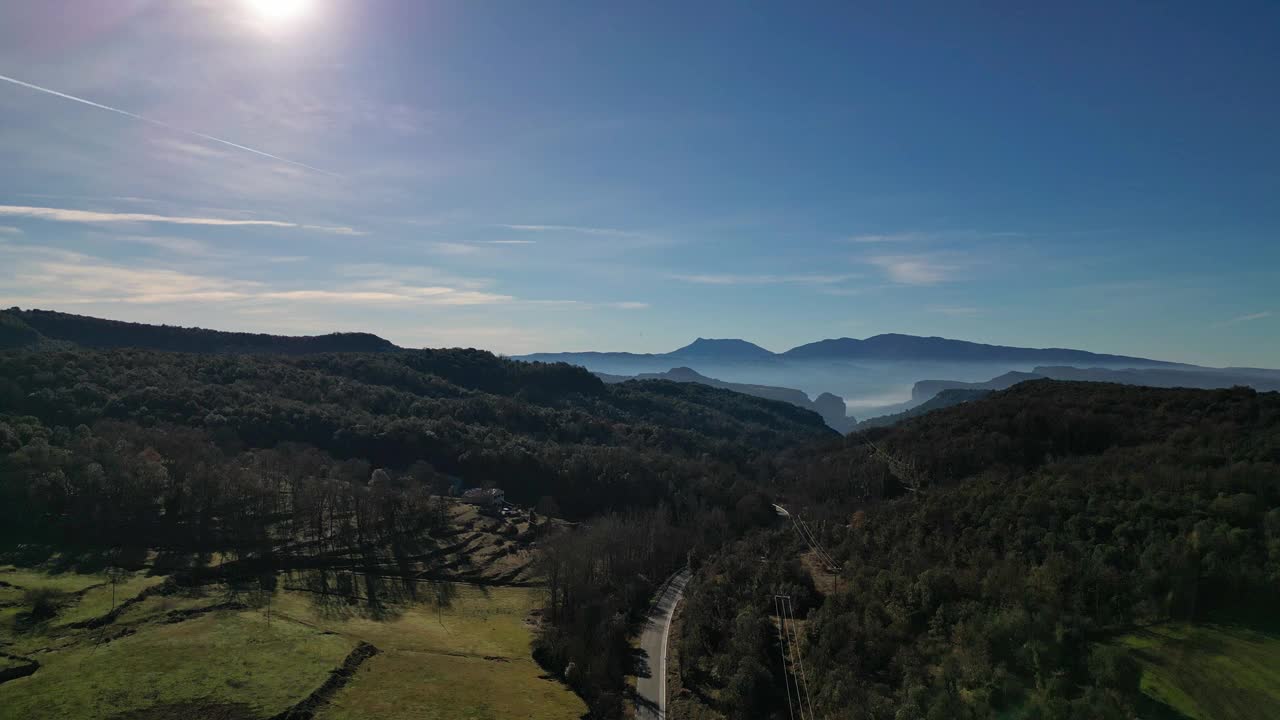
pixel 799 657
pixel 835 566
pixel 824 557
pixel 777 607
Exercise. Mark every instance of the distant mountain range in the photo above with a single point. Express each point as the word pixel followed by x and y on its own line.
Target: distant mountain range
pixel 879 348
pixel 24 327
pixel 1199 378
pixel 832 408
pixel 882 366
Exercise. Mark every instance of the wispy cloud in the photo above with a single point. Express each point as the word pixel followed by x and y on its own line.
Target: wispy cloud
pixel 455 248
pixel 175 145
pixel 158 123
pixel 613 232
pixel 373 273
pixel 850 291
pixel 399 294
pixel 890 238
pixel 734 279
pixel 92 216
pixel 53 276
pixel 43 274
pixel 10 230
pixel 509 242
pixel 179 245
pixel 335 229
pixel 629 305
pixel 1250 317
pixel 913 269
pixel 956 311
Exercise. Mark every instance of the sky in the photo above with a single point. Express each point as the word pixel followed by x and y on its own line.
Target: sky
pixel 543 176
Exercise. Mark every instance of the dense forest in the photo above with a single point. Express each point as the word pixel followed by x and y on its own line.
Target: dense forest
pixel 256 456
pixel 535 430
pixel 989 550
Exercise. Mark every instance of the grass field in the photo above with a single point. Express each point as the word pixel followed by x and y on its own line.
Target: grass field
pixel 1210 672
pixel 457 651
pixel 67 582
pixel 97 601
pixel 447 651
pixel 468 619
pixel 226 657
pixel 8 662
pixel 427 686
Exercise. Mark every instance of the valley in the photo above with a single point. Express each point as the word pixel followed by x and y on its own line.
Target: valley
pixel 448 533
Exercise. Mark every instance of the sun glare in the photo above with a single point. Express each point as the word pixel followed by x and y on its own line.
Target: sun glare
pixel 279 11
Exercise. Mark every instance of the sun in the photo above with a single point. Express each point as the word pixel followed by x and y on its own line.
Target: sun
pixel 278 12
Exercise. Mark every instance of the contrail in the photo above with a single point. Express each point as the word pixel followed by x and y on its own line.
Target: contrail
pixel 162 124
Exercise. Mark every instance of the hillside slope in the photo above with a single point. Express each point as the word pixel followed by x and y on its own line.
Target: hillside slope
pixel 998 558
pixel 536 430
pixel 1201 378
pixel 94 332
pixel 830 407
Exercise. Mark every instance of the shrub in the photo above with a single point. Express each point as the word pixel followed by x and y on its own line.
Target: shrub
pixel 43 603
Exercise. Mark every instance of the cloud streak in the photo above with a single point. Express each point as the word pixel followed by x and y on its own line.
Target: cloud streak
pixel 92 216
pixel 956 311
pixel 733 279
pixel 159 123
pixel 913 269
pixel 610 232
pixel 1250 317
pixel 43 276
pixel 179 245
pixel 890 238
pixel 50 275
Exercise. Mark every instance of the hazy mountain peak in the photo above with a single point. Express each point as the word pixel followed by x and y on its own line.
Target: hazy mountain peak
pixel 898 347
pixel 728 347
pixel 685 374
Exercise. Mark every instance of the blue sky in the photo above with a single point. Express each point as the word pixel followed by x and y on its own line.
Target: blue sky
pixel 628 176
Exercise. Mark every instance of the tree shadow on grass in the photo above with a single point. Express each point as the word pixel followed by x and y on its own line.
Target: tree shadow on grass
pixel 346 594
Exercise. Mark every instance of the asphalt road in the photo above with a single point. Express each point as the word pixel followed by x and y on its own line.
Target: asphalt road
pixel 651 691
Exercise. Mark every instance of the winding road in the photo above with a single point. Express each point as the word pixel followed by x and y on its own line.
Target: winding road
pixel 651 691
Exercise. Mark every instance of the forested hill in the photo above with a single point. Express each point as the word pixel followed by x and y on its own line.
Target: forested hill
pixel 1042 421
pixel 24 328
pixel 994 555
pixel 536 430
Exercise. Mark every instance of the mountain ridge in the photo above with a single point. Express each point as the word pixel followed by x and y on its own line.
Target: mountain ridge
pixel 831 407
pixel 722 347
pixel 886 346
pixel 35 328
pixel 902 346
pixel 1194 378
